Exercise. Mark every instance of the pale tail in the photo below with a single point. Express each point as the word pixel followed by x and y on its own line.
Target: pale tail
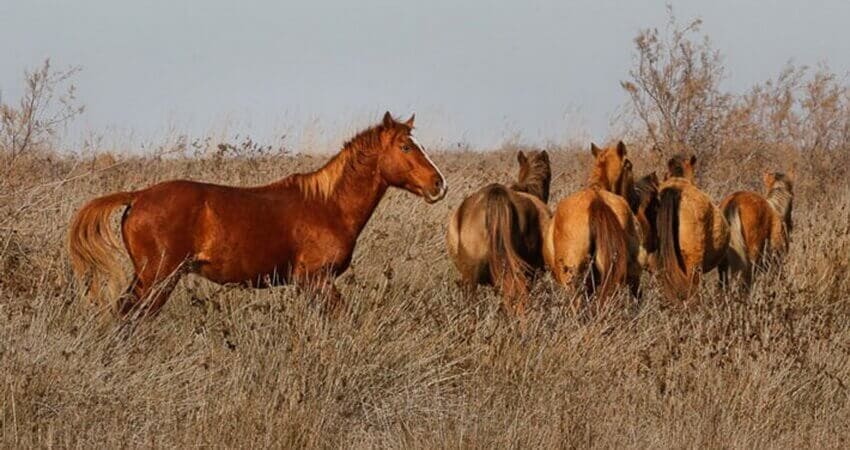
pixel 94 248
pixel 736 254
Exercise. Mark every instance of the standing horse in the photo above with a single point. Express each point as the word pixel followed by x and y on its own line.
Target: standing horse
pixel 595 229
pixel 301 229
pixel 693 234
pixel 759 226
pixel 643 201
pixel 495 236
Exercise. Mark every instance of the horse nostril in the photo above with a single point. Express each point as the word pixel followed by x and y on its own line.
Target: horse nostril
pixel 438 185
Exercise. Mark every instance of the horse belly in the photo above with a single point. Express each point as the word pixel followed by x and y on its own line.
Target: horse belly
pixel 259 267
pixel 243 252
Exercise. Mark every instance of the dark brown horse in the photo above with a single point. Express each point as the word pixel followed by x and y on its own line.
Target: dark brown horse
pixel 643 201
pixel 496 235
pixel 301 229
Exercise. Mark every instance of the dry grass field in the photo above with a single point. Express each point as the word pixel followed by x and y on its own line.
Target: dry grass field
pixel 410 364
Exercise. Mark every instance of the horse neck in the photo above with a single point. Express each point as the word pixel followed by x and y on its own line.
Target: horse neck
pixel 537 187
pixel 599 180
pixel 349 185
pixel 358 192
pixel 781 202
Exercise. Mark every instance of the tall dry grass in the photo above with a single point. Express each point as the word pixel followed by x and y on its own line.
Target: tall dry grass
pixel 410 363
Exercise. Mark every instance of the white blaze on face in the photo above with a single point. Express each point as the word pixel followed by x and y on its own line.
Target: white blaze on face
pixel 445 185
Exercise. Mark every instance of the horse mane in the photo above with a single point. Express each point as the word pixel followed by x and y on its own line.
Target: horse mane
pixel 642 191
pixel 360 150
pixel 537 179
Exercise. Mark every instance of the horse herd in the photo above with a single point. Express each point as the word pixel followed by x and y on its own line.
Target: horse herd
pixel 303 228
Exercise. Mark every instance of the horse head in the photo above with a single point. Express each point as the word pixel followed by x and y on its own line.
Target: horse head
pixel 611 169
pixel 403 162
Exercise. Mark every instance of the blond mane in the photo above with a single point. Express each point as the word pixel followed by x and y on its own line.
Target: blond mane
pixel 323 183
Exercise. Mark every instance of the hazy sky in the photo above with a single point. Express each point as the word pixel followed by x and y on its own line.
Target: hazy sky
pixel 474 71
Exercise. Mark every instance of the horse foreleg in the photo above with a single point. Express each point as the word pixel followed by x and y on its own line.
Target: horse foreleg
pixel 321 286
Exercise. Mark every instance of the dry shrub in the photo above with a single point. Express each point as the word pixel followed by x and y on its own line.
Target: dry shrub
pixel 677 105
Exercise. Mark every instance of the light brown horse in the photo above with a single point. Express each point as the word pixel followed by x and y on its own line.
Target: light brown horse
pixel 595 229
pixel 301 229
pixel 758 226
pixel 495 236
pixel 693 234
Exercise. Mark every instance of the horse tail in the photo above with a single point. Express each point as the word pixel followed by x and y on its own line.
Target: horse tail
pixel 737 251
pixel 507 268
pixel 93 246
pixel 671 261
pixel 608 244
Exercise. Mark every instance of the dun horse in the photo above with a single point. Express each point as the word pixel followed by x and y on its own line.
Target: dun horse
pixel 693 234
pixel 758 226
pixel 496 235
pixel 301 229
pixel 595 229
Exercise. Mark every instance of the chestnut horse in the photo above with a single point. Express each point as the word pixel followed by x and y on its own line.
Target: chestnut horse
pixel 301 229
pixel 693 234
pixel 495 236
pixel 758 226
pixel 595 229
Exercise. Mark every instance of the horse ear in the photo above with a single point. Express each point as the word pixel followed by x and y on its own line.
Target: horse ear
pixel 545 155
pixel 693 160
pixel 594 149
pixel 521 158
pixel 409 122
pixel 621 149
pixel 388 119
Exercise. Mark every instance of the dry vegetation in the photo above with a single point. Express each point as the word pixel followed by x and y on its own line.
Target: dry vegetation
pixel 411 364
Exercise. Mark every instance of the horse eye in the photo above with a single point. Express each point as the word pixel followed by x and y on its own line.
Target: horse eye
pixel 405 148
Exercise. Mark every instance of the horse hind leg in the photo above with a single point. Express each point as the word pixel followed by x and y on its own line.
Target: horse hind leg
pixel 152 286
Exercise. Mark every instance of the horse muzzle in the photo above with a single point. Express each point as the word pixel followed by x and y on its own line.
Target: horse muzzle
pixel 437 192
